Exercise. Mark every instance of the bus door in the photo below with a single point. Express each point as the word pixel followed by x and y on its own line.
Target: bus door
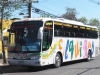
pixel 47 35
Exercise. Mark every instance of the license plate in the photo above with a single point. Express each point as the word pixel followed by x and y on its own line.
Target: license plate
pixel 22 55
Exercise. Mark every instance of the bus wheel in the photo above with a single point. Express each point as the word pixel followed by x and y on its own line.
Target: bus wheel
pixel 89 55
pixel 57 60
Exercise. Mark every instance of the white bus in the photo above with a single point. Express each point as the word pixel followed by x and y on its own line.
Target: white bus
pixel 45 41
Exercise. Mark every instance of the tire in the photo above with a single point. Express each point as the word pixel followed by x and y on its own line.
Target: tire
pixel 57 60
pixel 89 56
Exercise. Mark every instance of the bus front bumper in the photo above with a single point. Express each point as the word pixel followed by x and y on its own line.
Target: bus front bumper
pixel 24 62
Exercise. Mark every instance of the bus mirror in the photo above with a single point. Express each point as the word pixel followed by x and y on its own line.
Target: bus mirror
pixel 40 32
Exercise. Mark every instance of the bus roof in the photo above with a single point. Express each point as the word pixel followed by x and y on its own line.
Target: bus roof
pixel 56 19
pixel 91 26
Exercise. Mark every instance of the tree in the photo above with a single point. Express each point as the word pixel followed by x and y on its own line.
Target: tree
pixel 8 6
pixel 83 20
pixel 6 9
pixel 94 22
pixel 70 14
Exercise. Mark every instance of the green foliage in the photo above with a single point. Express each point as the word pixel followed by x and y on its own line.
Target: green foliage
pixel 83 20
pixel 7 7
pixel 70 14
pixel 94 22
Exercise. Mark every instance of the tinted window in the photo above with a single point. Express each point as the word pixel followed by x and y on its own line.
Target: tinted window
pixel 75 30
pixel 58 29
pixel 68 30
pixel 82 32
pixel 27 30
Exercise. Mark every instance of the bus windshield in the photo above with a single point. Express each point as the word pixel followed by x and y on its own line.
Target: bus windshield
pixel 25 35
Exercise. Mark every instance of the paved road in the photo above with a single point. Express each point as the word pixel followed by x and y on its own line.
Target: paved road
pixel 70 68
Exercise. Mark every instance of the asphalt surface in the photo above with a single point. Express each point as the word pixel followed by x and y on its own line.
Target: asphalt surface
pixel 81 67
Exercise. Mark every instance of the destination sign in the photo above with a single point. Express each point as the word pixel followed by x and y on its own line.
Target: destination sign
pixel 24 26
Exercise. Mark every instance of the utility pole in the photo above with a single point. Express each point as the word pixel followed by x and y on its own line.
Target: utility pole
pixel 30 7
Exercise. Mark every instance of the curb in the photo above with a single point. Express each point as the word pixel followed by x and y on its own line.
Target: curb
pixel 4 65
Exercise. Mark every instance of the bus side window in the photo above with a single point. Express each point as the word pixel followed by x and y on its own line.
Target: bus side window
pixel 85 35
pixel 95 34
pixel 67 31
pixel 81 35
pixel 67 34
pixel 88 32
pixel 75 31
pixel 57 30
pixel 72 34
pixel 57 33
pixel 82 32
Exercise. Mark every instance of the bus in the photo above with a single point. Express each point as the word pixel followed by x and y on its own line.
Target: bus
pixel 51 41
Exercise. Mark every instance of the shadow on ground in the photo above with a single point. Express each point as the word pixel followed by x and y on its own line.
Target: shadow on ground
pixel 18 69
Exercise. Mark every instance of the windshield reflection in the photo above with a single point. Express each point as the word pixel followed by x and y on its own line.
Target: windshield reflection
pixel 26 35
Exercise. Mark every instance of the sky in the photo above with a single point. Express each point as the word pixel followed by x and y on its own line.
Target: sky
pixel 86 8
